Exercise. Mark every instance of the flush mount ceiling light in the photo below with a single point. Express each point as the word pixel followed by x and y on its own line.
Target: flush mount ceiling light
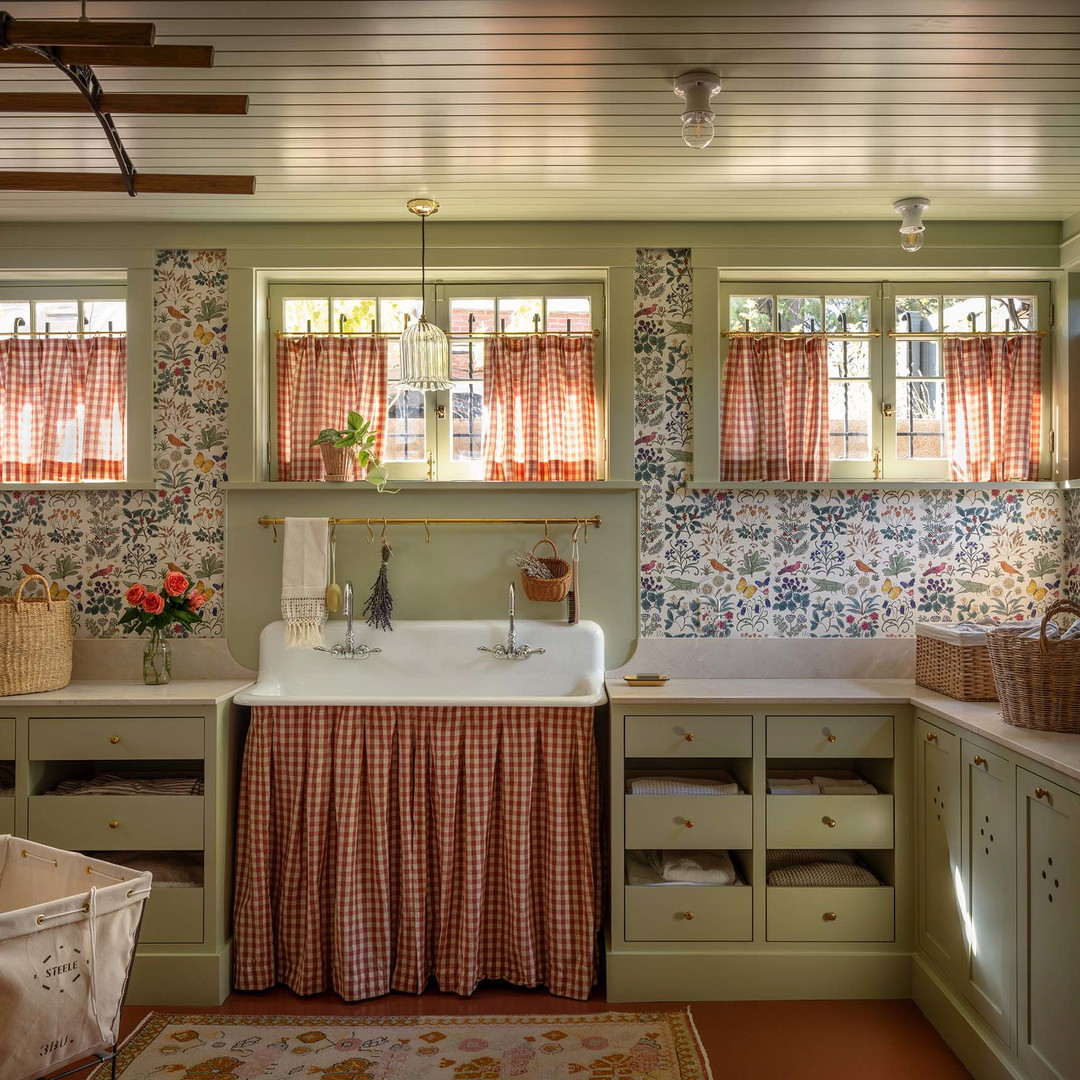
pixel 912 228
pixel 425 350
pixel 698 88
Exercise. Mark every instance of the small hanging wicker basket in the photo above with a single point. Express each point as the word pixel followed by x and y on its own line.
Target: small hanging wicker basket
pixel 554 588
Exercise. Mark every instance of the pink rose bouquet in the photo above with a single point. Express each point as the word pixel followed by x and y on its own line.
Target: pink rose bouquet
pixel 175 603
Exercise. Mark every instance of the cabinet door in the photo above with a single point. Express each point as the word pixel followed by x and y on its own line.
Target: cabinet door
pixel 941 892
pixel 1049 839
pixel 990 877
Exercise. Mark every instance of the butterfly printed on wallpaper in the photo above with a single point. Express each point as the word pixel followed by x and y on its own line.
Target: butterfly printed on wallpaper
pixel 1035 590
pixel 890 590
pixel 746 589
pixel 204 463
pixel 203 334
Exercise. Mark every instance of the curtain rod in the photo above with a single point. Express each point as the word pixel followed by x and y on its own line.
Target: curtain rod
pixel 967 333
pixel 461 335
pixel 803 333
pixel 61 333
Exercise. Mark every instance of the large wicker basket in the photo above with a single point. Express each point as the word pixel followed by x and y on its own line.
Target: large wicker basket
pixel 953 663
pixel 1038 679
pixel 35 641
pixel 554 588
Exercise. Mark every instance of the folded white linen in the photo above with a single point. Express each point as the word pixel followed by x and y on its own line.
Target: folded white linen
pixel 831 785
pixel 304 568
pixel 682 785
pixel 698 867
pixel 783 789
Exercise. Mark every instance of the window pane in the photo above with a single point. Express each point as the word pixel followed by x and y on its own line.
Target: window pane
pixel 481 308
pixel 959 309
pixel 359 313
pixel 568 312
pixel 467 410
pixel 849 359
pixel 849 421
pixel 799 312
pixel 847 313
pixel 1012 312
pixel 751 313
pixel 393 362
pixel 405 427
pixel 98 314
pixel 918 358
pixel 521 314
pixel 393 309
pixel 10 310
pixel 56 315
pixel 917 314
pixel 308 314
pixel 920 431
pixel 466 359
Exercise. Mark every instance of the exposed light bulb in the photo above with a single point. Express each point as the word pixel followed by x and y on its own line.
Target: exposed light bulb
pixel 698 129
pixel 911 211
pixel 911 241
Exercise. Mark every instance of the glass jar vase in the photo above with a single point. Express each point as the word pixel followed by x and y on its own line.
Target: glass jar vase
pixel 157 660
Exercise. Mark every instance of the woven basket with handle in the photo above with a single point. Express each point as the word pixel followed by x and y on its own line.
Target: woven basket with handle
pixel 1038 679
pixel 35 641
pixel 554 588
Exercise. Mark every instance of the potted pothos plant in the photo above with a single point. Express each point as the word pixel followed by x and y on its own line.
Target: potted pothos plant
pixel 346 449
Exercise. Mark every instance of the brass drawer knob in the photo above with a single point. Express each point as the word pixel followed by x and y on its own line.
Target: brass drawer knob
pixel 114 739
pixel 687 915
pixel 979 759
pixel 830 821
pixel 931 736
pixel 114 824
pixel 1041 793
pixel 830 737
pixel 689 736
pixel 688 822
pixel 829 916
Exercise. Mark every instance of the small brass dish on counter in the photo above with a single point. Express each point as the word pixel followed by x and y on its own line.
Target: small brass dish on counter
pixel 645 678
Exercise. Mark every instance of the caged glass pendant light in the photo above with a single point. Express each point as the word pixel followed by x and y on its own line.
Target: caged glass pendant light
pixel 425 350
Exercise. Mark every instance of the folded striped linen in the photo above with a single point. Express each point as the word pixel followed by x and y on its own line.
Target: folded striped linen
pixel 115 784
pixel 823 875
pixel 683 785
pixel 693 867
pixel 791 785
pixel 779 858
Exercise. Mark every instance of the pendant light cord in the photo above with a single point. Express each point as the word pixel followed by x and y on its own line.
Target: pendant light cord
pixel 423 266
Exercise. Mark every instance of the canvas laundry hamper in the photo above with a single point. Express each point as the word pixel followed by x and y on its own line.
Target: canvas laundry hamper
pixel 68 929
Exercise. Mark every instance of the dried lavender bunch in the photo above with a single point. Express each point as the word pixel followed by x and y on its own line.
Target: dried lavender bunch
pixel 531 566
pixel 380 604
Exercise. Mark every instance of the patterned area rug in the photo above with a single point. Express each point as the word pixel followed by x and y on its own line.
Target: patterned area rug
pixel 596 1046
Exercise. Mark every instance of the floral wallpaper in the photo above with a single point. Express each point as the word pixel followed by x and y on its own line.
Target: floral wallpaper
pixel 93 544
pixel 814 563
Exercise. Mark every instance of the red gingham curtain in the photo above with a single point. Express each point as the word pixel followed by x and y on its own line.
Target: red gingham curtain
pixel 540 408
pixel 993 407
pixel 774 409
pixel 63 407
pixel 378 847
pixel 320 377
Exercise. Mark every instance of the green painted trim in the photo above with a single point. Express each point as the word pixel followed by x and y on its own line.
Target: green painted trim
pixel 870 485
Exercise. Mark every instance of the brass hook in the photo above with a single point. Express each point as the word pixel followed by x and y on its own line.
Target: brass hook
pixel 427 532
pixel 382 538
pixel 546 537
pixel 370 532
pixel 333 530
pixel 573 538
pixel 273 525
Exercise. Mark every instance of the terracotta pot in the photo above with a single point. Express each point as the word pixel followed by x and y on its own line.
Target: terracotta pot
pixel 338 464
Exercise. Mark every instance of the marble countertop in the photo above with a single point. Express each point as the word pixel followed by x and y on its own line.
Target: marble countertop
pixel 1058 751
pixel 116 692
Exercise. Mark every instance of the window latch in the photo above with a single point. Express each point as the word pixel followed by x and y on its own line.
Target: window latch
pixel 887 410
pixel 877 464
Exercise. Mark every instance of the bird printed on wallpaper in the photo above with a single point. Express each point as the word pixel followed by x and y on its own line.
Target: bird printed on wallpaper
pixel 719 566
pixel 934 569
pixel 650 566
pixel 174 313
pixel 1008 568
pixel 647 438
pixel 27 569
pixel 104 571
pixel 175 441
pixel 863 567
pixel 646 311
pixel 791 568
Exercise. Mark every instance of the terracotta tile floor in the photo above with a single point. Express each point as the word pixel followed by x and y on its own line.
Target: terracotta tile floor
pixel 745 1040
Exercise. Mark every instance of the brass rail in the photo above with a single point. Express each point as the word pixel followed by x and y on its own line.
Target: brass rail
pixel 596 521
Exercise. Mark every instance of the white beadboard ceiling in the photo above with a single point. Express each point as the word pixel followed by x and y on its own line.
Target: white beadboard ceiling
pixel 563 109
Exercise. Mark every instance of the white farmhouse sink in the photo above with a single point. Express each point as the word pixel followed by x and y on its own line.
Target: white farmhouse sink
pixel 429 662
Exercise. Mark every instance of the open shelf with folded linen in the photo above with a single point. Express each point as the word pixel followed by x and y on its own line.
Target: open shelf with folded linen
pixel 687 808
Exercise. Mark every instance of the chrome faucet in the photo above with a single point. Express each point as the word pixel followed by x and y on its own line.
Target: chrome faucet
pixel 350 650
pixel 511 650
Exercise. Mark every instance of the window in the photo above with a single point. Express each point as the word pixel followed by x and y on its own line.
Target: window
pixel 436 436
pixel 887 393
pixel 63 383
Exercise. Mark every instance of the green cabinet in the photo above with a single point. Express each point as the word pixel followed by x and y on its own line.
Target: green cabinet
pixel 1049 913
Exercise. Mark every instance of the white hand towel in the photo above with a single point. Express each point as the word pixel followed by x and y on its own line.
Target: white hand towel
pixel 698 867
pixel 303 580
